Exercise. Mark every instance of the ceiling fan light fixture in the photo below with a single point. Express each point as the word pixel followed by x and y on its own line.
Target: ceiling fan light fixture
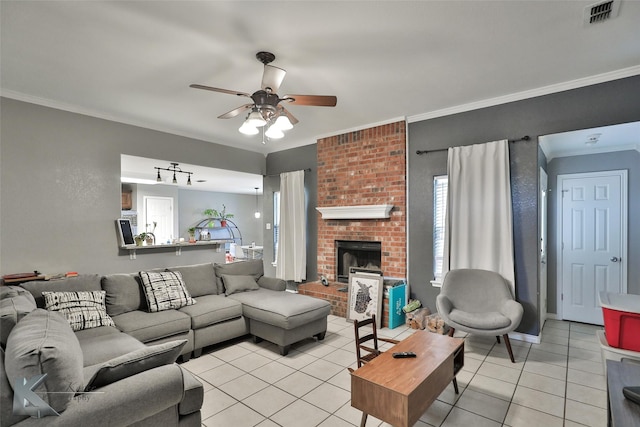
pixel 283 123
pixel 159 178
pixel 274 132
pixel 265 109
pixel 255 119
pixel 247 129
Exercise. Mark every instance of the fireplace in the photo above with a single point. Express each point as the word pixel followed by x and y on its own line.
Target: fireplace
pixel 355 253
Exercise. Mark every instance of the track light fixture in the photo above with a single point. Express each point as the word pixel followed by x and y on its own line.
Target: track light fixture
pixel 175 169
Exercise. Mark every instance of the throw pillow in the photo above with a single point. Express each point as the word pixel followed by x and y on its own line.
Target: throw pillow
pixel 83 309
pixel 165 290
pixel 43 343
pixel 135 362
pixel 234 284
pixel 248 268
pixel 15 303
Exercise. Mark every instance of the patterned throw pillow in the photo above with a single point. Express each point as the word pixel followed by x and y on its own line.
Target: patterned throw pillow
pixel 165 290
pixel 82 309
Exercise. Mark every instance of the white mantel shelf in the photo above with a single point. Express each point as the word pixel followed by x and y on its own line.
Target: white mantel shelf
pixel 356 212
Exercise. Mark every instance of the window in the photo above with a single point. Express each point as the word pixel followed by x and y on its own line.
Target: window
pixel 276 224
pixel 440 184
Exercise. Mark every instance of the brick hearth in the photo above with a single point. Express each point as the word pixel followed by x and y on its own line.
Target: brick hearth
pixel 337 299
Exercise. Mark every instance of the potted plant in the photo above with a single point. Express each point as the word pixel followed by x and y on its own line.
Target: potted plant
pixel 143 239
pixel 192 235
pixel 149 236
pixel 224 216
pixel 212 214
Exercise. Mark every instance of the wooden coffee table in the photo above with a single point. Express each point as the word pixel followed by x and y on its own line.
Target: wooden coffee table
pixel 398 391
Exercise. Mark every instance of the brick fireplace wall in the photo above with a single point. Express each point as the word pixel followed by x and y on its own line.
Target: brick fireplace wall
pixel 366 167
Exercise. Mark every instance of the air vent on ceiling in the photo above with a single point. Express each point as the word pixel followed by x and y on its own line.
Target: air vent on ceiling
pixel 601 11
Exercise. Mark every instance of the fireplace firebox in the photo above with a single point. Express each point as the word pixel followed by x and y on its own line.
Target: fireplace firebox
pixel 356 253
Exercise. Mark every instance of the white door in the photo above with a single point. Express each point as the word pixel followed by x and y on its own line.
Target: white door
pixel 593 241
pixel 160 211
pixel 542 203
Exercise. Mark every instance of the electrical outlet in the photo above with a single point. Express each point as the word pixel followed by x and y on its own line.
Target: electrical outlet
pixel 268 226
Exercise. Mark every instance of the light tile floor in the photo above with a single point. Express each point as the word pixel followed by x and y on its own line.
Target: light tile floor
pixel 558 382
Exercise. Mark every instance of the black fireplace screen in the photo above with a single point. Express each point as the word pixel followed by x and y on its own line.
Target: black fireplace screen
pixel 361 254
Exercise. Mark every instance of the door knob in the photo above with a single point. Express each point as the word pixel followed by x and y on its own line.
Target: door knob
pixel 615 259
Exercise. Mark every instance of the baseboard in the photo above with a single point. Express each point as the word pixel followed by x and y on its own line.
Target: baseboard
pixel 533 339
pixel 553 316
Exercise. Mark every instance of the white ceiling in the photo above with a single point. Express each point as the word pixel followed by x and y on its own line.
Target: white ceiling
pixel 133 61
pixel 606 139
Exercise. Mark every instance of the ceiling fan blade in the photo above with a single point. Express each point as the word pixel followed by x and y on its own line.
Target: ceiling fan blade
pixel 315 100
pixel 216 89
pixel 236 111
pixel 272 78
pixel 292 119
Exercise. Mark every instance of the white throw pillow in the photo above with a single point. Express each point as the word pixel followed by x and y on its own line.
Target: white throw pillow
pixel 165 290
pixel 82 309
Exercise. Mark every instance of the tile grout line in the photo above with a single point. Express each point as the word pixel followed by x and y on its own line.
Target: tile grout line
pixel 483 360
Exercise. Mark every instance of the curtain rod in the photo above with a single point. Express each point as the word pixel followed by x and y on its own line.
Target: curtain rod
pixel 278 174
pixel 421 152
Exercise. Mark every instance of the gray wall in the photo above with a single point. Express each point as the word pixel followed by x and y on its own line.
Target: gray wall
pixel 60 189
pixel 629 160
pixel 286 161
pixel 597 105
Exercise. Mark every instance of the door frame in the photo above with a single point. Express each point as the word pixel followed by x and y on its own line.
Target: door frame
pixel 543 232
pixel 624 208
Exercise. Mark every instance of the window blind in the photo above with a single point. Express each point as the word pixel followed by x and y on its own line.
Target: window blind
pixel 440 185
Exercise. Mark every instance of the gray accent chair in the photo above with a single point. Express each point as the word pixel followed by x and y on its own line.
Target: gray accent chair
pixel 479 302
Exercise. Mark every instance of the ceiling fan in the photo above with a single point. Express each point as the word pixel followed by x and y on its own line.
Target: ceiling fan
pixel 267 110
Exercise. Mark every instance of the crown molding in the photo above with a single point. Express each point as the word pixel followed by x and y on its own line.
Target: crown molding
pixel 587 151
pixel 519 96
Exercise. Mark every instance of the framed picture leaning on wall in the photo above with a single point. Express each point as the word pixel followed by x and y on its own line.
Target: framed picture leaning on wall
pixel 365 297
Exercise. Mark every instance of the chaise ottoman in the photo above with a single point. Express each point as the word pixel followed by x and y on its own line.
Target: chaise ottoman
pixel 283 318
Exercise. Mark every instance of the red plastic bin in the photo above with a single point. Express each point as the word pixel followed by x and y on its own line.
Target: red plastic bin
pixel 621 314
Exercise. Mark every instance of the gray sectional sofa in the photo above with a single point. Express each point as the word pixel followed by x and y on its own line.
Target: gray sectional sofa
pixel 231 300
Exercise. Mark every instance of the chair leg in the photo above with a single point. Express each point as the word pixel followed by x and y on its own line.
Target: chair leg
pixel 451 331
pixel 508 344
pixel 363 420
pixel 455 385
pixel 498 339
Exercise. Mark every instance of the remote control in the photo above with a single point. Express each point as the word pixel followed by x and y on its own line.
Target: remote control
pixel 404 354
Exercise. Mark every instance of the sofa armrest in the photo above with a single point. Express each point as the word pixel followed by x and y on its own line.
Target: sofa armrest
pixel 193 394
pixel 272 283
pixel 122 403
